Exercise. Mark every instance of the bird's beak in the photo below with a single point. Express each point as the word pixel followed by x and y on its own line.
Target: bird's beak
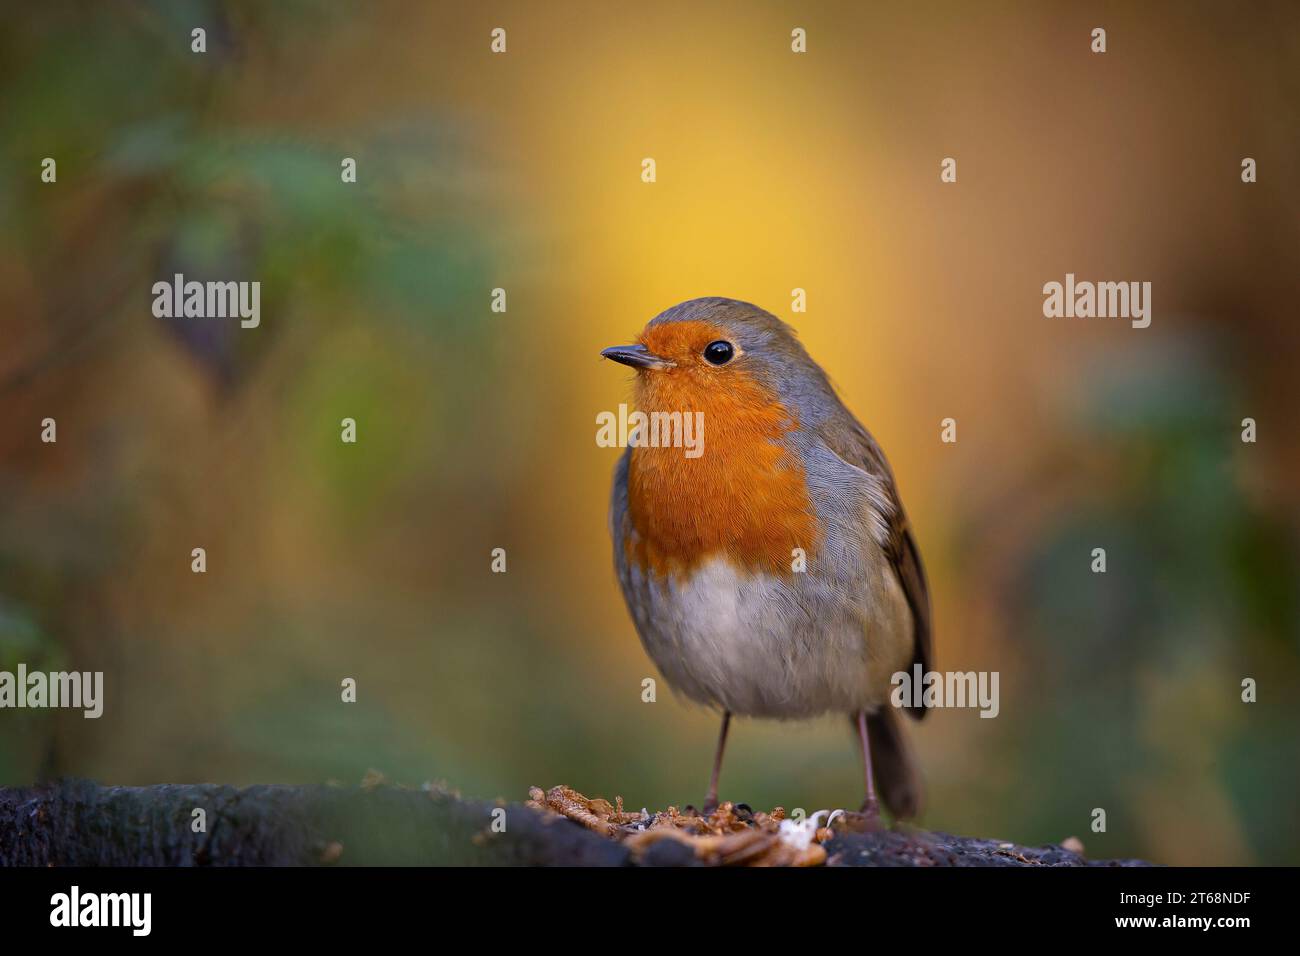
pixel 637 356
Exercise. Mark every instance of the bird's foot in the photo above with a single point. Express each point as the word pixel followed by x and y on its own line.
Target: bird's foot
pixel 867 819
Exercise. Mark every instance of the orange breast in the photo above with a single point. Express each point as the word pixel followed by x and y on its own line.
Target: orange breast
pixel 745 497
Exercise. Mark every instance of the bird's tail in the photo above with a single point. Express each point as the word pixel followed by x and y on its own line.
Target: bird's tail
pixel 898 778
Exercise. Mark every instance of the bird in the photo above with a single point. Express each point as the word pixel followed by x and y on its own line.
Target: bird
pixel 774 574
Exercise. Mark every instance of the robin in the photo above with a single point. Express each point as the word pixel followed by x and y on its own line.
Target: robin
pixel 774 575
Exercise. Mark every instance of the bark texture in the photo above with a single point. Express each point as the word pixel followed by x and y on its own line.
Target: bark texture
pixel 79 823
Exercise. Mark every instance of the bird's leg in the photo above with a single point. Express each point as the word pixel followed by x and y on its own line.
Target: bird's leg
pixel 711 801
pixel 869 805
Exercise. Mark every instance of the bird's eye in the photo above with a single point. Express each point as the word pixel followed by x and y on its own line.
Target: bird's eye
pixel 719 352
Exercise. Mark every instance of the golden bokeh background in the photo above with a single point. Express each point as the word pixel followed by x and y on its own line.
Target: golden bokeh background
pixel 775 171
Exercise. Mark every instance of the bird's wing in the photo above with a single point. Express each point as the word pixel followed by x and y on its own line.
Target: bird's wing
pixel 855 446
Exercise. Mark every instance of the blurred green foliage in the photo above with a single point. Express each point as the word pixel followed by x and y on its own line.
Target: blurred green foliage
pixel 1137 673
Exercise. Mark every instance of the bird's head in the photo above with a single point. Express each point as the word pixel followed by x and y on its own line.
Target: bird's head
pixel 710 352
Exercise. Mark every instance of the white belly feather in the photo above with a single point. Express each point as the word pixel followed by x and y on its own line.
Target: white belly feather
pixel 775 647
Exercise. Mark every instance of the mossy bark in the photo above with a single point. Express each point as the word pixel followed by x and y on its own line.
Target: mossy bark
pixel 79 823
